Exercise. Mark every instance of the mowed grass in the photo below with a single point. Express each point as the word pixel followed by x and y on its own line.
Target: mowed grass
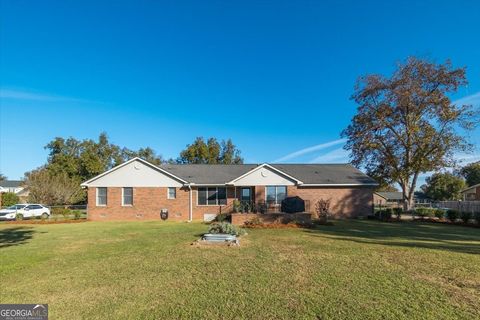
pixel 149 270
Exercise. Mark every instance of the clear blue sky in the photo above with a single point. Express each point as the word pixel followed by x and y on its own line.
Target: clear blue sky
pixel 275 76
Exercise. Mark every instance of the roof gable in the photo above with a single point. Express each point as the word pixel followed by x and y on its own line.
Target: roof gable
pixel 264 175
pixel 135 173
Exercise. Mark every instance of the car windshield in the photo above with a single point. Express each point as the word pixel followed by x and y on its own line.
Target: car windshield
pixel 16 207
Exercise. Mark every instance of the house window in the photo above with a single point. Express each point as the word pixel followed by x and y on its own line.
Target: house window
pixel 127 198
pixel 246 194
pixel 172 193
pixel 276 194
pixel 212 196
pixel 101 196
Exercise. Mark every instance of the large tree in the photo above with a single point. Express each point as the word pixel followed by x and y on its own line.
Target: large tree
pixel 53 188
pixel 210 152
pixel 443 186
pixel 471 173
pixel 71 161
pixel 407 125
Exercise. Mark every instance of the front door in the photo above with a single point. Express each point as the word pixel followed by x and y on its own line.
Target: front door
pixel 246 194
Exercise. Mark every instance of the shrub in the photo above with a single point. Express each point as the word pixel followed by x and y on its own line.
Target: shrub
pixel 387 214
pixel 476 216
pixel 439 213
pixel 452 215
pixel 9 199
pixel 322 208
pixel 60 211
pixel 253 222
pixel 245 206
pixel 237 206
pixel 466 216
pixel 222 217
pixel 424 212
pixel 384 215
pixel 398 212
pixel 76 214
pixel 225 227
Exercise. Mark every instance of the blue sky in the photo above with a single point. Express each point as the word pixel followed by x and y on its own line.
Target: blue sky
pixel 275 76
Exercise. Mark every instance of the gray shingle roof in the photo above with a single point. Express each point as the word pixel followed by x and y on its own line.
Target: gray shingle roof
pixel 307 173
pixel 208 173
pixel 11 183
pixel 393 195
pixel 325 173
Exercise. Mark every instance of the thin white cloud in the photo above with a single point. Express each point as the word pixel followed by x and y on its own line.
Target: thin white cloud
pixel 304 151
pixel 464 159
pixel 20 94
pixel 473 99
pixel 338 155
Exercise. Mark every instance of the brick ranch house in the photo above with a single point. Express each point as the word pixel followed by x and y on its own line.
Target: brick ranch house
pixel 138 189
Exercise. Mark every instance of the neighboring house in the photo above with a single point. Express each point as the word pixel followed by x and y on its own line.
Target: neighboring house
pixel 138 189
pixel 471 193
pixel 388 198
pixel 395 198
pixel 15 186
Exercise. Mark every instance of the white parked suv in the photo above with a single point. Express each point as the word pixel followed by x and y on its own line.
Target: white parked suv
pixel 24 211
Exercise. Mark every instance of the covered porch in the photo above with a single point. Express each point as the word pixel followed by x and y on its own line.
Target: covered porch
pixel 265 204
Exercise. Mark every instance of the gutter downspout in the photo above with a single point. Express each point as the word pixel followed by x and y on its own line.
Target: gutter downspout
pixel 190 207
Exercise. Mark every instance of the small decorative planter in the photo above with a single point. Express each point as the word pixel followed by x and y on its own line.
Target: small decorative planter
pixel 219 238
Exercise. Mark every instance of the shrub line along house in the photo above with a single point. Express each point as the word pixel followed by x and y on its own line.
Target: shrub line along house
pixel 138 189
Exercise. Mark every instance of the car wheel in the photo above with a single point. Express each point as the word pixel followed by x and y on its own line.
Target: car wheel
pixel 19 216
pixel 44 216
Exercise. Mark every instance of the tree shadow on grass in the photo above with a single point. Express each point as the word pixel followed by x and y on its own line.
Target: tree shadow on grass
pixel 15 236
pixel 406 234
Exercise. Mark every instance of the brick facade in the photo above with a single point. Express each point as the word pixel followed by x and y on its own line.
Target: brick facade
pixel 149 201
pixel 346 202
pixel 147 204
pixel 379 200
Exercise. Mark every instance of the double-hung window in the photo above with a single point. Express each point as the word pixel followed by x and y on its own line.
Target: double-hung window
pixel 101 196
pixel 127 197
pixel 172 193
pixel 212 196
pixel 276 194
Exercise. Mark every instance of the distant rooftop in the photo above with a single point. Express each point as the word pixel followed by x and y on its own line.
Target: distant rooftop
pixel 11 183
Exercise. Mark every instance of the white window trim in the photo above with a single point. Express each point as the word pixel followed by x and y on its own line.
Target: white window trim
pixel 123 198
pixel 213 205
pixel 276 201
pixel 168 193
pixel 96 197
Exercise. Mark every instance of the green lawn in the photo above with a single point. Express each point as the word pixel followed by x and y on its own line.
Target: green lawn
pixel 353 270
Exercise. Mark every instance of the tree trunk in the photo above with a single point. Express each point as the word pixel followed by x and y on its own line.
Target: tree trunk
pixel 408 199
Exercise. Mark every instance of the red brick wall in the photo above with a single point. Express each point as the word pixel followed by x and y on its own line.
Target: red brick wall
pixel 345 202
pixel 148 202
pixel 379 200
